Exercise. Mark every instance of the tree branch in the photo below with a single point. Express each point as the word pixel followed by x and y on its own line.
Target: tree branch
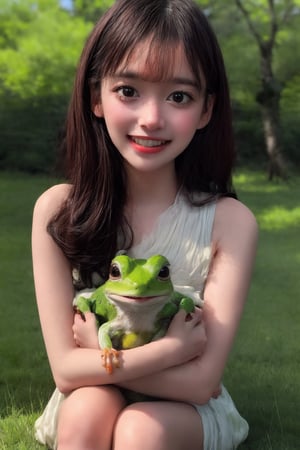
pixel 273 24
pixel 249 22
pixel 289 10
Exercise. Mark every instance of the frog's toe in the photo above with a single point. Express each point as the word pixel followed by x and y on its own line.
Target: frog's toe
pixel 110 358
pixel 187 304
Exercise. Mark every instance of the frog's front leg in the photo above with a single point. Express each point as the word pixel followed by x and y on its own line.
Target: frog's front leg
pixel 187 304
pixel 109 355
pixel 82 304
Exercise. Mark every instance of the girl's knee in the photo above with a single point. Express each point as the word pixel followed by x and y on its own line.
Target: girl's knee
pixel 136 428
pixel 158 426
pixel 87 417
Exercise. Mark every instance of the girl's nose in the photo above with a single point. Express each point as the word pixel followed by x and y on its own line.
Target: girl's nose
pixel 151 115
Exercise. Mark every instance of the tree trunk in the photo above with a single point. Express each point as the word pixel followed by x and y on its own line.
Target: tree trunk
pixel 269 104
pixel 269 95
pixel 269 101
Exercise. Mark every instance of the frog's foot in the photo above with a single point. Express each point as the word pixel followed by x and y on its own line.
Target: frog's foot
pixel 187 304
pixel 110 358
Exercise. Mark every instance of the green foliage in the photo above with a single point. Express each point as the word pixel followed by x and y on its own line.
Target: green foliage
pixel 263 371
pixel 41 46
pixel 29 132
pixel 91 9
pixel 242 60
pixel 249 138
pixel 43 58
pixel 15 20
pixel 290 107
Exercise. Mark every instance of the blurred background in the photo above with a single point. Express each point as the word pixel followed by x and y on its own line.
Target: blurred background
pixel 41 41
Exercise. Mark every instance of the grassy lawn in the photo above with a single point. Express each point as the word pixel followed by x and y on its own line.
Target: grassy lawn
pixel 263 372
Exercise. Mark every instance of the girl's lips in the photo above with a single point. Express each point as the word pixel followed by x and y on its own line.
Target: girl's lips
pixel 148 145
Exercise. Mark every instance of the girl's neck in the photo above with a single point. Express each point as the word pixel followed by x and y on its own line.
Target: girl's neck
pixel 150 188
pixel 149 195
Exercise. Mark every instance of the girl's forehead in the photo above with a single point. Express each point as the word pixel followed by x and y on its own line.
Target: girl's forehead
pixel 154 61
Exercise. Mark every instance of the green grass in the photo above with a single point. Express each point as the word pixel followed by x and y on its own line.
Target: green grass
pixel 263 372
pixel 25 380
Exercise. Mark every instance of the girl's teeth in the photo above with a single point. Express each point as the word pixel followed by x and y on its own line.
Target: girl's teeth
pixel 148 142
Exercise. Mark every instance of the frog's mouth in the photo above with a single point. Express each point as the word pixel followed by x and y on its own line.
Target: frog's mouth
pixel 138 299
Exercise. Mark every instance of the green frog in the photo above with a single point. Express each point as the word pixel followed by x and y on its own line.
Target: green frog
pixel 134 306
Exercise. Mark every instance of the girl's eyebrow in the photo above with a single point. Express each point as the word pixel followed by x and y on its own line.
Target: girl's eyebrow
pixel 129 74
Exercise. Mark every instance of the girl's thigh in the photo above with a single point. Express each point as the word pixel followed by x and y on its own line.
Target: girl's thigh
pixel 87 417
pixel 158 425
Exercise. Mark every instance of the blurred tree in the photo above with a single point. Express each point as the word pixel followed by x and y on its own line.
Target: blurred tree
pixel 40 44
pixel 240 55
pixel 243 57
pixel 265 19
pixel 40 47
pixel 91 10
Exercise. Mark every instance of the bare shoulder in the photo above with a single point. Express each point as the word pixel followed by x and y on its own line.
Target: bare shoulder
pixel 51 200
pixel 235 219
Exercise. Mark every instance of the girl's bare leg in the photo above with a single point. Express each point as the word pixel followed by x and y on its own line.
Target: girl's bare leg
pixel 87 418
pixel 158 425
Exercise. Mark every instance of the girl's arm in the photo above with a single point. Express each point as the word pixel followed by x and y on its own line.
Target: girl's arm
pixel 72 366
pixel 234 241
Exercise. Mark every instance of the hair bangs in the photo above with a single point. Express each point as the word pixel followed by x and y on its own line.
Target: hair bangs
pixel 152 29
pixel 159 61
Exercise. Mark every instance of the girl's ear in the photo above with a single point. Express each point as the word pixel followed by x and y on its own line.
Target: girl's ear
pixel 98 110
pixel 207 111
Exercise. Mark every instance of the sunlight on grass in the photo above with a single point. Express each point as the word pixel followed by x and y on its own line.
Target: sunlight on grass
pixel 272 203
pixel 257 181
pixel 253 181
pixel 278 218
pixel 16 432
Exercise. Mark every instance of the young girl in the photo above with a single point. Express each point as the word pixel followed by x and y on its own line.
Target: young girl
pixel 149 154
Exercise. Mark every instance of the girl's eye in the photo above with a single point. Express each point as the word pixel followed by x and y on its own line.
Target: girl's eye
pixel 180 97
pixel 126 92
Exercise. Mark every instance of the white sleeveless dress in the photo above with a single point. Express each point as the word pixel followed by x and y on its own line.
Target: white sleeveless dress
pixel 183 234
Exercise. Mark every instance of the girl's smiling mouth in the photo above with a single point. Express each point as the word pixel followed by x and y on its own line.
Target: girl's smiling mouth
pixel 148 145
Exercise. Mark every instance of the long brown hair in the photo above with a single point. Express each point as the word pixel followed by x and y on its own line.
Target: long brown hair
pixel 90 226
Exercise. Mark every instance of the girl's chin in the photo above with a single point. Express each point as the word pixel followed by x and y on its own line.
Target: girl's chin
pixel 148 167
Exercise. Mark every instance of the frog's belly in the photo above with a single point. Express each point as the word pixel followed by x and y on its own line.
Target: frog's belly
pixel 138 319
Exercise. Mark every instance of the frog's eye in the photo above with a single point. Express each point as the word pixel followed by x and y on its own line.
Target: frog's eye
pixel 164 273
pixel 114 272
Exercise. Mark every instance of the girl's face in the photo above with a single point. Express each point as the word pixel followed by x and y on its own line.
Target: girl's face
pixel 151 122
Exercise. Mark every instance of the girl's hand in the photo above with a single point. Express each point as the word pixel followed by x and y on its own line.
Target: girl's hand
pixel 85 330
pixel 188 335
